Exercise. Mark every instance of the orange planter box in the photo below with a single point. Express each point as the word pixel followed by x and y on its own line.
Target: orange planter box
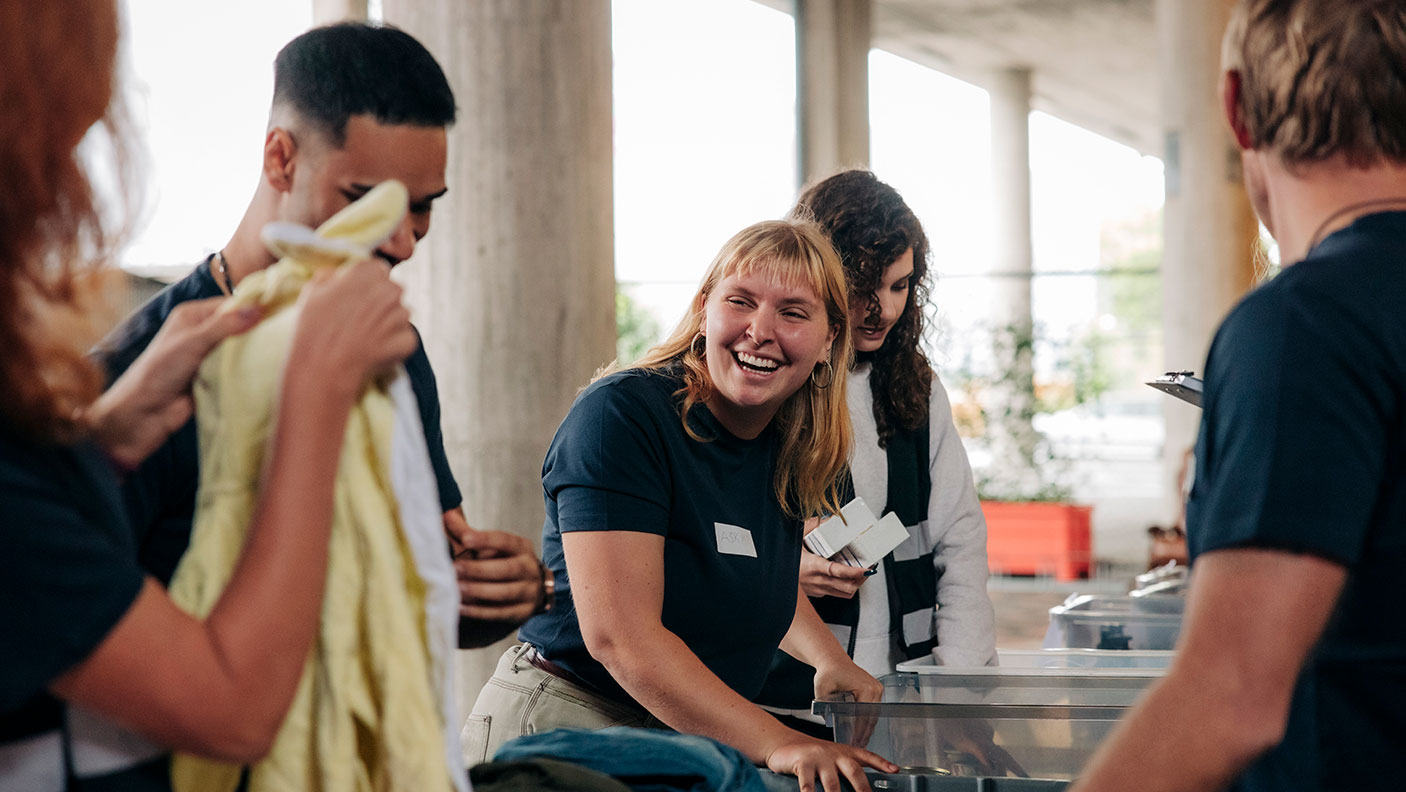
pixel 1038 539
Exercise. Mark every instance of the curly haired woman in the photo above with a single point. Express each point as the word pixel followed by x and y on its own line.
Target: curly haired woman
pixel 928 596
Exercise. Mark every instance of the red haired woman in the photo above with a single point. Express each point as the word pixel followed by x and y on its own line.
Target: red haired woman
pixel 89 639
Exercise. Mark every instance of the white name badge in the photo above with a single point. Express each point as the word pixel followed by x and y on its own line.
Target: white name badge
pixel 734 540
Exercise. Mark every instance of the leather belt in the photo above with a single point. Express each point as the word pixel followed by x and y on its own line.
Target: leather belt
pixel 535 659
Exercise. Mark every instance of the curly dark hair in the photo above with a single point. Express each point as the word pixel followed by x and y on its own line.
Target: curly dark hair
pixel 870 225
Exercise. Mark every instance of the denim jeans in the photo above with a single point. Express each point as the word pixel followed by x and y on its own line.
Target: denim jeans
pixel 522 699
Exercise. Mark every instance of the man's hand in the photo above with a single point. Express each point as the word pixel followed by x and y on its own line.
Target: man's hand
pixel 501 582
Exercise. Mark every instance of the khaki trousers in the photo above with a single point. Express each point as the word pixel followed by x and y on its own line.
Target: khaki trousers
pixel 522 699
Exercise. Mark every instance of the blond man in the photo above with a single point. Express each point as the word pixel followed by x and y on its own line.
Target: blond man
pixel 1291 673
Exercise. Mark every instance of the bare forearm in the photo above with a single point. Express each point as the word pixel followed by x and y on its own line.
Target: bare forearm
pixel 809 640
pixel 660 672
pixel 1252 616
pixel 1184 737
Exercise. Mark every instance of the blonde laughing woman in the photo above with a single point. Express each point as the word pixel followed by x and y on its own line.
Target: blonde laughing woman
pixel 675 493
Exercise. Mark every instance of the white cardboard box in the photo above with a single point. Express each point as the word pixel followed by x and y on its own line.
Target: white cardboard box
pixel 830 537
pixel 859 540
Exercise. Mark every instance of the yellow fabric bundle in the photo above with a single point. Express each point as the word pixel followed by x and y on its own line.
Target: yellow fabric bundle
pixel 365 715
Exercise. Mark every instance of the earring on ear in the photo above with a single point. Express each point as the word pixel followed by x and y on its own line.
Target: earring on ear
pixel 693 345
pixel 829 374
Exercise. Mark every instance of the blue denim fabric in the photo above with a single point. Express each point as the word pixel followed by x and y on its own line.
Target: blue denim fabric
pixel 648 760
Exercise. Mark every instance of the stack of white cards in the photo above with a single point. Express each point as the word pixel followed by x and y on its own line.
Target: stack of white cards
pixel 859 539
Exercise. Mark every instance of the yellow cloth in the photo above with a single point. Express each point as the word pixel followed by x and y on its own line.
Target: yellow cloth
pixel 365 715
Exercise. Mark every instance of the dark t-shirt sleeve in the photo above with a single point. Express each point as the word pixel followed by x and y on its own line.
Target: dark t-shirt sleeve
pixel 160 493
pixel 607 469
pixel 1291 449
pixel 422 382
pixel 65 580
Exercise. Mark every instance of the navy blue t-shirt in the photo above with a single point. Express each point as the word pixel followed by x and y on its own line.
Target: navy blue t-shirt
pixel 621 461
pixel 160 495
pixel 68 574
pixel 1303 449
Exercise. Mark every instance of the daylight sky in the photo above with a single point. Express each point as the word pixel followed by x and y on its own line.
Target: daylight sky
pixel 704 145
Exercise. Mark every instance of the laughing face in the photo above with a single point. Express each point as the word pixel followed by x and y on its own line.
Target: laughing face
pixel 870 329
pixel 764 338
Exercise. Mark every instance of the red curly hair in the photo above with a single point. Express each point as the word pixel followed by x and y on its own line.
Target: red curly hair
pixel 57 62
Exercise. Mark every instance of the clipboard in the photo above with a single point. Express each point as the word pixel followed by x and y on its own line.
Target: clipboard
pixel 1181 384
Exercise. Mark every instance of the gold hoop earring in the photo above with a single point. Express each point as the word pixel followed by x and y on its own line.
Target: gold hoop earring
pixel 829 379
pixel 693 345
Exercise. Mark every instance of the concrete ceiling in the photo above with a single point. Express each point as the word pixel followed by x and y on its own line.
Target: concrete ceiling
pixel 1093 62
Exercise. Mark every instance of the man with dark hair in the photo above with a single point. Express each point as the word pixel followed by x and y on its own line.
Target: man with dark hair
pixel 332 73
pixel 1291 670
pixel 354 104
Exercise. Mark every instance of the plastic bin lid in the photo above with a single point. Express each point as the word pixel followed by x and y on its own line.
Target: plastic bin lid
pixel 1123 606
pixel 1054 663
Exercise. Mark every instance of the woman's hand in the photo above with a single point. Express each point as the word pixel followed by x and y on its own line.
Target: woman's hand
pixel 821 577
pixel 834 679
pixel 806 758
pixel 152 398
pixel 351 326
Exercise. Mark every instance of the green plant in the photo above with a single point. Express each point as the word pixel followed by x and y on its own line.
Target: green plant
pixel 635 329
pixel 1022 464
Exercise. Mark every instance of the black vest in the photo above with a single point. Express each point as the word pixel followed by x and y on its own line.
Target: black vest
pixel 912 583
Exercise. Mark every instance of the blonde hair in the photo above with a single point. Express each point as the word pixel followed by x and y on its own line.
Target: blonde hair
pixel 1320 78
pixel 814 422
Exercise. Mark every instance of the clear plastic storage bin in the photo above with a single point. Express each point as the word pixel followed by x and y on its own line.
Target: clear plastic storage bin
pixel 989 723
pixel 1116 623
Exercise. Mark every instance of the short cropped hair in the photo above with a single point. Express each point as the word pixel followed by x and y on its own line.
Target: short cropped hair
pixel 329 74
pixel 1321 78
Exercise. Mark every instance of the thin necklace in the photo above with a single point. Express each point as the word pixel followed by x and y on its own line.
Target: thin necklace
pixel 1350 209
pixel 223 280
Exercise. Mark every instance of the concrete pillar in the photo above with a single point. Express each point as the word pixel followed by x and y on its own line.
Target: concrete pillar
pixel 832 85
pixel 514 287
pixel 1010 188
pixel 1210 231
pixel 325 12
pixel 1012 438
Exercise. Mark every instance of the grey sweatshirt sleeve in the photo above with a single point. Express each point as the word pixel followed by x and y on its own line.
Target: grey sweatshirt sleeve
pixel 966 622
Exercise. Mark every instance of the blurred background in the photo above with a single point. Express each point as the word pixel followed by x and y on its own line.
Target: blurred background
pixel 1088 229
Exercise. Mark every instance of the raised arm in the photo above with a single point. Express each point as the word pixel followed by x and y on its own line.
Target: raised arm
pixel 1252 618
pixel 221 687
pixel 618 588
